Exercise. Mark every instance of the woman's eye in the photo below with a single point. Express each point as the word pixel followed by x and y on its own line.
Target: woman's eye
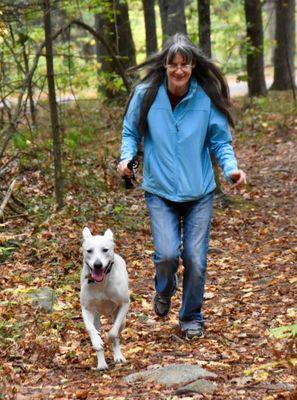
pixel 89 251
pixel 105 250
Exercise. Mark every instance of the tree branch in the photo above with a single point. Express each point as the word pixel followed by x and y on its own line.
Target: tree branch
pixel 6 198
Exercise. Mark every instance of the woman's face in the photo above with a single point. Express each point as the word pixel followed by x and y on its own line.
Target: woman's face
pixel 178 74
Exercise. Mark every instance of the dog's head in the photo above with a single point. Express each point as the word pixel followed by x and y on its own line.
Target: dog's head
pixel 98 253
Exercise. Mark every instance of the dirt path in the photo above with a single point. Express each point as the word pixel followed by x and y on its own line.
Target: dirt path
pixel 251 288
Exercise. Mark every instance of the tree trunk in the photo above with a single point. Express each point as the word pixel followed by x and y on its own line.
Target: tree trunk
pixel 163 6
pixel 176 17
pixel 269 9
pixel 105 25
pixel 204 26
pixel 285 46
pixel 255 61
pixel 124 39
pixel 173 17
pixel 150 27
pixel 113 23
pixel 205 45
pixel 56 134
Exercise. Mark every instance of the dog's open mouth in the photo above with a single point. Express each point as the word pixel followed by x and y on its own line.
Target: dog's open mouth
pixel 98 274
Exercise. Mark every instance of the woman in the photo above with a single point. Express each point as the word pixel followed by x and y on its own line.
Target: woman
pixel 182 109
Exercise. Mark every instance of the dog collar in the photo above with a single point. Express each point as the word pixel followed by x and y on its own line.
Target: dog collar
pixel 109 267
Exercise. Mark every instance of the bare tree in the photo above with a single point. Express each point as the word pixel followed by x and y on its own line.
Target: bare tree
pixel 204 26
pixel 150 26
pixel 285 46
pixel 56 132
pixel 255 59
pixel 173 17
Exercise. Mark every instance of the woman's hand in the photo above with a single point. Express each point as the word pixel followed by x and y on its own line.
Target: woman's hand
pixel 123 168
pixel 239 178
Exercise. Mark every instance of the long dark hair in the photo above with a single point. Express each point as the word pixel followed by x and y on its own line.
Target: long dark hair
pixel 207 74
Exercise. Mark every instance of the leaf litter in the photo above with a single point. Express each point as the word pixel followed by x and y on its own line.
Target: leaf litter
pixel 250 292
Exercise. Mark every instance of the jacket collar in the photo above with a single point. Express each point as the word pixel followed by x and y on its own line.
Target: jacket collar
pixel 192 90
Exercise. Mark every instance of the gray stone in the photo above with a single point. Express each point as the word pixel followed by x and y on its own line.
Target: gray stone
pixel 173 374
pixel 43 298
pixel 200 386
pixel 275 386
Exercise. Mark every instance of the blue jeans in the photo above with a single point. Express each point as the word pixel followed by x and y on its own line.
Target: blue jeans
pixel 181 229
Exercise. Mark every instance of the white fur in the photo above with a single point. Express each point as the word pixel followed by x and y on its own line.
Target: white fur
pixel 109 297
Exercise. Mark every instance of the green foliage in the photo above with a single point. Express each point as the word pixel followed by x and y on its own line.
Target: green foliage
pixel 118 208
pixel 7 249
pixel 10 331
pixel 73 139
pixel 111 83
pixel 283 332
pixel 22 140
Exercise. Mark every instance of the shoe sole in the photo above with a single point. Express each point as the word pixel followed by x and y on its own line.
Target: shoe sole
pixel 194 337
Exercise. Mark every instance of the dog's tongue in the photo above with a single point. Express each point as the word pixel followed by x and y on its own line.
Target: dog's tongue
pixel 98 276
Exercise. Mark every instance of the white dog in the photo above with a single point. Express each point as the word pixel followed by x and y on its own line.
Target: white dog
pixel 104 291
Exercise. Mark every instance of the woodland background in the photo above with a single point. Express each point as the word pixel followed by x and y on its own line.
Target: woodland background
pixel 63 89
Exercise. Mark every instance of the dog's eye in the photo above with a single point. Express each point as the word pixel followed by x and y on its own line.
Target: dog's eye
pixel 90 251
pixel 105 250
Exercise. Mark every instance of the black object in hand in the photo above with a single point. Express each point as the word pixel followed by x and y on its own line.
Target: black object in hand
pixel 132 165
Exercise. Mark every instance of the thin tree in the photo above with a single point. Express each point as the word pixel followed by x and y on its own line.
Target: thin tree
pixel 254 45
pixel 150 26
pixel 285 45
pixel 56 132
pixel 30 85
pixel 204 26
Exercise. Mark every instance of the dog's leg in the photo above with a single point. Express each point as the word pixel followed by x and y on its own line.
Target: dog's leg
pixel 118 322
pixel 113 335
pixel 117 353
pixel 96 340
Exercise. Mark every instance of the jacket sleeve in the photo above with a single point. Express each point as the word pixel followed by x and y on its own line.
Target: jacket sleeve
pixel 131 136
pixel 219 141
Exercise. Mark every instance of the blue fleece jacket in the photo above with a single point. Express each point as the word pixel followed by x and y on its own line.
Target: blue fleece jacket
pixel 177 144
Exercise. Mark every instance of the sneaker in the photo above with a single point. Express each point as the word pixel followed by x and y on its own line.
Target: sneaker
pixel 162 305
pixel 193 329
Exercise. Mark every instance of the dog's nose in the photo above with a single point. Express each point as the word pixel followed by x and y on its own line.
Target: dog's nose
pixel 98 265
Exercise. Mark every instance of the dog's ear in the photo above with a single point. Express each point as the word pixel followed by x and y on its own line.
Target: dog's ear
pixel 86 233
pixel 108 234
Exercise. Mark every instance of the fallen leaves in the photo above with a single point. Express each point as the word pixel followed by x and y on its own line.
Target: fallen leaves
pixel 250 289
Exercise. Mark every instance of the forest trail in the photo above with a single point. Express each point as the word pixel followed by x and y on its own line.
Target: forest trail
pixel 251 288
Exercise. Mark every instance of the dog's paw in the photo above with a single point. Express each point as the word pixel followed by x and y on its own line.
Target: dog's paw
pixel 119 359
pixel 102 366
